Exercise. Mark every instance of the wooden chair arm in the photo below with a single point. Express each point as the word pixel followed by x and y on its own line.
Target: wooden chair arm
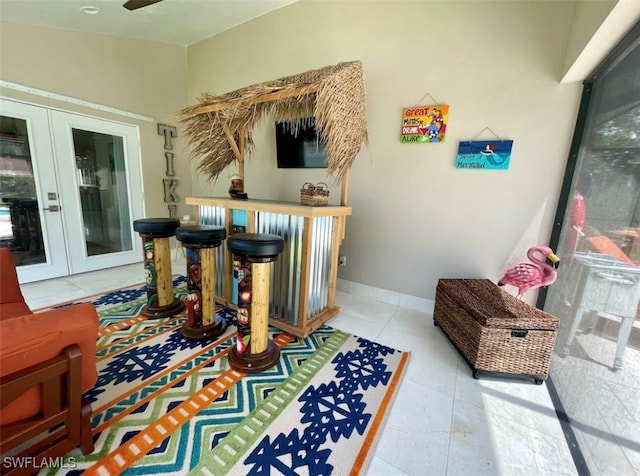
pixel 60 378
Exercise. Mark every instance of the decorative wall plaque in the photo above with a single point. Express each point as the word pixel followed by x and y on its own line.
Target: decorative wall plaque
pixel 424 124
pixel 484 154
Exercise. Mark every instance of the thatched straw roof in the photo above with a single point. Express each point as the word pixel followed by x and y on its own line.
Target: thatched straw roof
pixel 333 94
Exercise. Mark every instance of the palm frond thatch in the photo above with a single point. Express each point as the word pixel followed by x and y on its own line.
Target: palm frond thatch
pixel 334 95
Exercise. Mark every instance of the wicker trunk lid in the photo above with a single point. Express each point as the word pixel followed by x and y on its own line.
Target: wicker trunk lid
pixel 494 331
pixel 492 307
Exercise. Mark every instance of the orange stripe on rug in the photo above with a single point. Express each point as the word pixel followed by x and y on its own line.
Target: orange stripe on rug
pixel 137 447
pixel 161 374
pixel 153 395
pixel 136 343
pixel 377 421
pixel 283 339
pixel 120 325
pixel 134 320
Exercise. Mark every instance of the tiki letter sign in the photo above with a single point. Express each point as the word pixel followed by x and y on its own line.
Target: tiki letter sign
pixel 168 132
pixel 169 159
pixel 170 190
pixel 169 184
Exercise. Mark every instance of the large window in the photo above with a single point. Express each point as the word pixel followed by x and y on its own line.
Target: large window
pixel 596 364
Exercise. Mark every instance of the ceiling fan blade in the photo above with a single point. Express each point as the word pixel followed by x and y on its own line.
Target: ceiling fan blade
pixel 135 4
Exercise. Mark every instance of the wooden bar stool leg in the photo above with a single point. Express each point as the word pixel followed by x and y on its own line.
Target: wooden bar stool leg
pixel 200 243
pixel 260 307
pixel 207 258
pixel 161 301
pixel 194 291
pixel 244 274
pixel 202 322
pixel 156 234
pixel 163 270
pixel 252 255
pixel 254 351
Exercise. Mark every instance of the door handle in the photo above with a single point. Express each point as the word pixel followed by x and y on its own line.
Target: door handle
pixel 52 208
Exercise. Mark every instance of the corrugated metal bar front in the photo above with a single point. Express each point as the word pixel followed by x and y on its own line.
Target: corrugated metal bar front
pixel 285 272
pixel 216 216
pixel 320 265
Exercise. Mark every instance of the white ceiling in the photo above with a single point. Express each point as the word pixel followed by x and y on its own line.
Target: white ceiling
pixel 181 22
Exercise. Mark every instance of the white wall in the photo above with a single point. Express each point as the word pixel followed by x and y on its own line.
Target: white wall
pixel 143 77
pixel 596 27
pixel 587 18
pixel 415 217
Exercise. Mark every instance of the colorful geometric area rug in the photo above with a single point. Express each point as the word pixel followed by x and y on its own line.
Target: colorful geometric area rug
pixel 165 405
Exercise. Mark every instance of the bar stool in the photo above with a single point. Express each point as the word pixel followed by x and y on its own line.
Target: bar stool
pixel 200 243
pixel 252 253
pixel 155 234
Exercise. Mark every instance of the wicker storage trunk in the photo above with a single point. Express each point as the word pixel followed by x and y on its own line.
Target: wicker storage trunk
pixel 495 332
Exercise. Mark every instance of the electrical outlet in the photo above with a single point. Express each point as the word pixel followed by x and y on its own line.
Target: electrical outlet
pixel 342 260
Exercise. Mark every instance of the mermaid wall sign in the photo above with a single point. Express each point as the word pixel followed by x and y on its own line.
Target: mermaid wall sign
pixel 424 124
pixel 484 154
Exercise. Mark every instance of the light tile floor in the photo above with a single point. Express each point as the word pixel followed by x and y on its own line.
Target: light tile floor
pixel 604 404
pixel 442 422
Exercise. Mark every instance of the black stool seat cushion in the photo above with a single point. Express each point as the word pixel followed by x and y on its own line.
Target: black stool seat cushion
pixel 156 226
pixel 258 245
pixel 203 235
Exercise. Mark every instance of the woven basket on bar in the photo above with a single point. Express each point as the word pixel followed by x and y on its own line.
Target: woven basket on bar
pixel 314 195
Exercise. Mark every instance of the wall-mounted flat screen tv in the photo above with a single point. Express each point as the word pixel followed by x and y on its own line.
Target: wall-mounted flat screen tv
pixel 299 151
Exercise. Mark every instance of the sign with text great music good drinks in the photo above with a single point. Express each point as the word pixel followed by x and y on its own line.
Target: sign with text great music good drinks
pixel 424 124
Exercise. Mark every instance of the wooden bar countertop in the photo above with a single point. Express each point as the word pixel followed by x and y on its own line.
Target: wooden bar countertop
pixel 257 205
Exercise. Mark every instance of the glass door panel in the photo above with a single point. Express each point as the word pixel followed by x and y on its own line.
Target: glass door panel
pixel 99 161
pixel 102 187
pixel 30 219
pixel 19 220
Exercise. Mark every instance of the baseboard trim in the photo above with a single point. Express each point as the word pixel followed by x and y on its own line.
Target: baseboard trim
pixel 385 295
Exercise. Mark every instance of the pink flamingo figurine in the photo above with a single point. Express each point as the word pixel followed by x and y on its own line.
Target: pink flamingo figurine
pixel 526 276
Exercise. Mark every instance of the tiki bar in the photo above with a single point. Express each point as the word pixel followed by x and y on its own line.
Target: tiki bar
pixel 301 282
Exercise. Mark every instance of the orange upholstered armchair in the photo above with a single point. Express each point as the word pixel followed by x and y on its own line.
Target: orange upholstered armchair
pixel 47 361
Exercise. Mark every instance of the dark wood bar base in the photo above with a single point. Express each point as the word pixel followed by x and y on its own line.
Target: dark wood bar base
pixel 160 312
pixel 203 332
pixel 252 363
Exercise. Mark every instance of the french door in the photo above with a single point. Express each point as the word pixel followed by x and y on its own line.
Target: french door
pixel 70 187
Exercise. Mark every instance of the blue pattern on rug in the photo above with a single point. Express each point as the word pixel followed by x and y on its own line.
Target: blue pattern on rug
pixel 135 388
pixel 332 410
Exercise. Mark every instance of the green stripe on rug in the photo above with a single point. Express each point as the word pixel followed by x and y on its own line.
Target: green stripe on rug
pixel 228 450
